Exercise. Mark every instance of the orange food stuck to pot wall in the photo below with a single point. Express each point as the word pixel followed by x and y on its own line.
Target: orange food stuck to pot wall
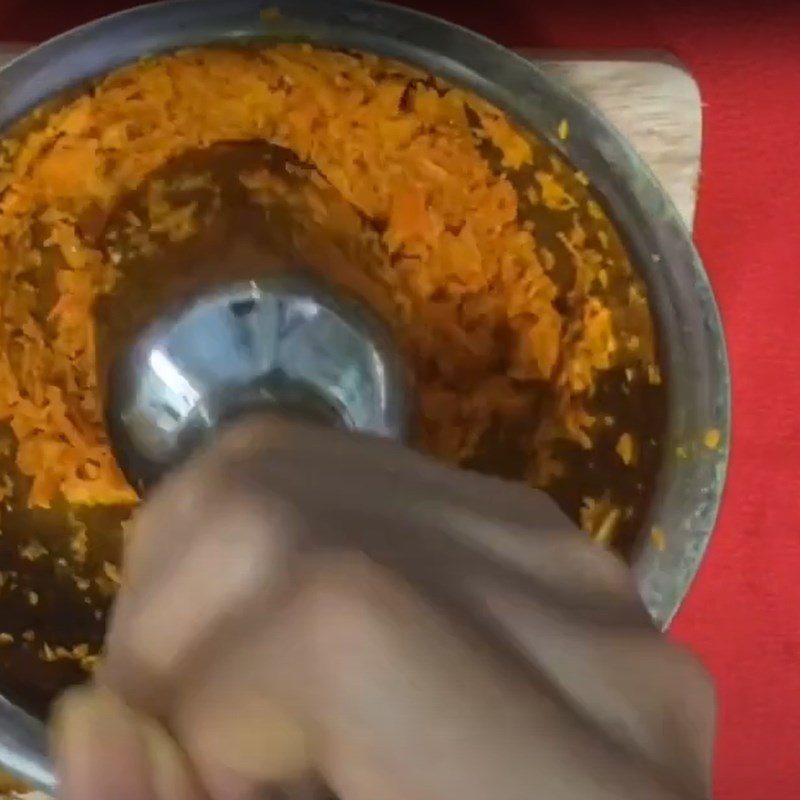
pixel 507 323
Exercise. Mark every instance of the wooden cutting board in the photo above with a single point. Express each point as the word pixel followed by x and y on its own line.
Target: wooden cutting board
pixel 652 100
pixel 649 97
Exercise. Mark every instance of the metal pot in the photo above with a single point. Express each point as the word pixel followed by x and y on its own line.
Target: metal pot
pixel 688 491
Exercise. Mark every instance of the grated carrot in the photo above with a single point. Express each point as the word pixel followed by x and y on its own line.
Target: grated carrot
pixel 626 449
pixel 472 289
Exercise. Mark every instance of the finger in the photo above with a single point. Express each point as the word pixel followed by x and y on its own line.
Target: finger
pixel 103 749
pixel 218 534
pixel 264 471
pixel 241 738
pixel 336 464
pixel 434 524
pixel 310 468
pixel 240 466
pixel 504 522
pixel 558 564
pixel 232 558
pixel 650 696
pixel 394 700
pixel 168 521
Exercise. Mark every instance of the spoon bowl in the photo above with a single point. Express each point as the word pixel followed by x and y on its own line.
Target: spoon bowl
pixel 282 344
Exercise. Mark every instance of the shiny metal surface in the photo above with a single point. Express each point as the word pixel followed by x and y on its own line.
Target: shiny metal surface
pixel 23 748
pixel 282 344
pixel 693 351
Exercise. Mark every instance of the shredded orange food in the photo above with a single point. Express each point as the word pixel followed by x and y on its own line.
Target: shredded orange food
pixel 472 289
pixel 599 518
pixel 626 448
pixel 712 438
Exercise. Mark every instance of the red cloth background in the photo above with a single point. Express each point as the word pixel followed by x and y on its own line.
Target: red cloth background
pixel 743 614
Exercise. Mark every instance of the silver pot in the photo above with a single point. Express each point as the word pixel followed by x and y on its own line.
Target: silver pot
pixel 688 491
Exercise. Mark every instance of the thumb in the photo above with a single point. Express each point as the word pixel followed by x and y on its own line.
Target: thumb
pixel 104 749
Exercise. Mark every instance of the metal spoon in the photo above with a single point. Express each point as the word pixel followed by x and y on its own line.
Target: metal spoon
pixel 281 344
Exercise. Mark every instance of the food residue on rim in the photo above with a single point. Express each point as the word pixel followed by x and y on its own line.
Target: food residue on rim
pixel 712 438
pixel 658 538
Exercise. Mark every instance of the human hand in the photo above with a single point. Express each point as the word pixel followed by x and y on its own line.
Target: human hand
pixel 306 608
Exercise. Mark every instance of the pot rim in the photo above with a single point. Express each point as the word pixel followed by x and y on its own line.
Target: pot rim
pixel 689 490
